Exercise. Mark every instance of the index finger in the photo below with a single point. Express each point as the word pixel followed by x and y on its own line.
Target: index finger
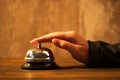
pixel 50 36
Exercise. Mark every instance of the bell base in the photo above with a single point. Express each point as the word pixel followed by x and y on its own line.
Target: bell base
pixel 39 66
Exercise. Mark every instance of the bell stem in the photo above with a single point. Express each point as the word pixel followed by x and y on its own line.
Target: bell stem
pixel 39 45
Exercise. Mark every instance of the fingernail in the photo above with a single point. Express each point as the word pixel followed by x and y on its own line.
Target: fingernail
pixel 33 42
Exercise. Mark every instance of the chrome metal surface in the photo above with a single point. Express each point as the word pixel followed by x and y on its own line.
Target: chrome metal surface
pixel 39 54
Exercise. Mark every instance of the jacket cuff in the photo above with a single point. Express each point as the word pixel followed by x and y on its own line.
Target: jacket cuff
pixel 95 55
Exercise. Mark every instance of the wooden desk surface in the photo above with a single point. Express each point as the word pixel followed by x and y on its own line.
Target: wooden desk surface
pixel 72 70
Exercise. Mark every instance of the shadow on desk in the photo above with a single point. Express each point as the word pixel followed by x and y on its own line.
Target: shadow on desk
pixel 84 67
pixel 72 67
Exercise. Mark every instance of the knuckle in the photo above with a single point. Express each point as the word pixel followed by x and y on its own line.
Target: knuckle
pixel 73 33
pixel 63 44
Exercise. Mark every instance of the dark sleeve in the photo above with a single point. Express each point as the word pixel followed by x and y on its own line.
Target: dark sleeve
pixel 102 54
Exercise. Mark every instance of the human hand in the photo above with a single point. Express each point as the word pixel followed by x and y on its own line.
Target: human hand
pixel 70 41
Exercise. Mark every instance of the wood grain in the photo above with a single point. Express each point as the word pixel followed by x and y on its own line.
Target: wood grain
pixel 72 70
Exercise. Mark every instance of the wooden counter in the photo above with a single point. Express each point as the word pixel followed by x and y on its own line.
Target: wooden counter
pixel 11 69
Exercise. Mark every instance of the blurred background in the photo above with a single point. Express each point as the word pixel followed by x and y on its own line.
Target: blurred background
pixel 23 20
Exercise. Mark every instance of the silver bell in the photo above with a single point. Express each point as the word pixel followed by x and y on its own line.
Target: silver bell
pixel 39 58
pixel 40 54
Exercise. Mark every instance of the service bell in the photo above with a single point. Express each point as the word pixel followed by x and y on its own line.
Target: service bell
pixel 39 58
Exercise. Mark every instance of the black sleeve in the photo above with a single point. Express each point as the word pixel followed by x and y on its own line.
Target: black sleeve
pixel 102 54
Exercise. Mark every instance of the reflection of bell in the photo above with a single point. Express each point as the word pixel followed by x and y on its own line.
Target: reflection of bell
pixel 39 58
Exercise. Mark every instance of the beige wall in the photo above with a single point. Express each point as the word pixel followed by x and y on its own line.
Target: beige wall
pixel 100 19
pixel 23 20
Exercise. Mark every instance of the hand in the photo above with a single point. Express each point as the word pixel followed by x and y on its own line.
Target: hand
pixel 70 41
